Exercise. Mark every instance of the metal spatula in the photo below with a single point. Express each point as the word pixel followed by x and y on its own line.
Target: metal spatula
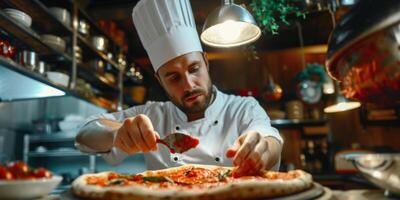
pixel 179 142
pixel 176 142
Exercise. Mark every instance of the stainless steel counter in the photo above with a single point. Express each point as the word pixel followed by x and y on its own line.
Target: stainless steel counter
pixel 360 195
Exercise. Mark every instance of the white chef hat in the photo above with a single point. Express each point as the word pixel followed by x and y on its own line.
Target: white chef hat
pixel 166 28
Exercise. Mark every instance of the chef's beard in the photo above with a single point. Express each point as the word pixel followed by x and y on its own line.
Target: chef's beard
pixel 199 106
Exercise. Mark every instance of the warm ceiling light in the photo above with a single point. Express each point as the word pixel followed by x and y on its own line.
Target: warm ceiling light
pixel 229 25
pixel 341 104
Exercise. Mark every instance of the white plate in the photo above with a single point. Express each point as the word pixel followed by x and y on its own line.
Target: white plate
pixel 19 16
pixel 58 77
pixel 310 91
pixel 28 189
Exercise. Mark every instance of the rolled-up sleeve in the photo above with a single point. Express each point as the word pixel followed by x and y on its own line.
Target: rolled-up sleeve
pixel 92 125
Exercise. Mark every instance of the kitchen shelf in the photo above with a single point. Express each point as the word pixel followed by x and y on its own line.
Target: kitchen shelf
pixel 89 47
pixel 54 146
pixel 32 39
pixel 55 137
pixel 56 153
pixel 31 85
pixel 9 91
pixel 92 77
pixel 41 15
pixel 50 55
pixel 290 123
pixel 27 38
pixel 24 34
pixel 95 26
pixel 392 122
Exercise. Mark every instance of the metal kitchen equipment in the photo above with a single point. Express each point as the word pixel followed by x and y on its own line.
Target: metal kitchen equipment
pixel 381 169
pixel 84 27
pixel 229 25
pixel 100 43
pixel 176 142
pixel 363 52
pixel 42 68
pixel 29 59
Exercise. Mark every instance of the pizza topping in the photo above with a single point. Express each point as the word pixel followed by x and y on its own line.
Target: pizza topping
pixel 185 143
pixel 97 180
pixel 197 177
pixel 222 176
pixel 197 180
pixel 117 181
pixel 157 179
pixel 190 173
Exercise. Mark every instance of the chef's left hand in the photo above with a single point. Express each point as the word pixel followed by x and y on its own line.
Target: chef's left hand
pixel 253 152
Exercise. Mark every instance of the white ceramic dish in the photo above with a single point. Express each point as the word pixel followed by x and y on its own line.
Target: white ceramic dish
pixel 69 125
pixel 58 77
pixel 54 41
pixel 19 16
pixel 61 14
pixel 28 189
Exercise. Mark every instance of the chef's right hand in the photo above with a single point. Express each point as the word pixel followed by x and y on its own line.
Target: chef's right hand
pixel 136 134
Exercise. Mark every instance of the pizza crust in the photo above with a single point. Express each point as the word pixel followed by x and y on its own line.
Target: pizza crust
pixel 239 189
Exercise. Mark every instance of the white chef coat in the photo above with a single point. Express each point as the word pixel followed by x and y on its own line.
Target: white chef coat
pixel 225 120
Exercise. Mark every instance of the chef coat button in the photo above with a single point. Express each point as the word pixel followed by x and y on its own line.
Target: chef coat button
pixel 177 128
pixel 175 158
pixel 215 122
pixel 217 159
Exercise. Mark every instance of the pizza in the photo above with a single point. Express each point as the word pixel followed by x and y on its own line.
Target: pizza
pixel 190 182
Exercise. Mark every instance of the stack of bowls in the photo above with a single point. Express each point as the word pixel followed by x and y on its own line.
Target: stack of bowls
pixel 294 110
pixel 58 78
pixel 61 14
pixel 54 41
pixel 78 54
pixel 19 16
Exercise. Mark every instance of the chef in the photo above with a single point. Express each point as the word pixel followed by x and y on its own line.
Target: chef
pixel 232 130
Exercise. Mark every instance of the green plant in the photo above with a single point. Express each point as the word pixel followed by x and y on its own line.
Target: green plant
pixel 312 70
pixel 268 13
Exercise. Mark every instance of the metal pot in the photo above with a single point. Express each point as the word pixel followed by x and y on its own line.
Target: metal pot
pixel 100 43
pixel 363 52
pixel 46 126
pixel 84 27
pixel 383 170
pixel 42 68
pixel 28 59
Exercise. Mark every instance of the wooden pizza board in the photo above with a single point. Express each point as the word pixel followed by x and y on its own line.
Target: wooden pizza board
pixel 316 191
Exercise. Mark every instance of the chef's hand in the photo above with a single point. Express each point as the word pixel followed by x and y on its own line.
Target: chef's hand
pixel 136 134
pixel 253 152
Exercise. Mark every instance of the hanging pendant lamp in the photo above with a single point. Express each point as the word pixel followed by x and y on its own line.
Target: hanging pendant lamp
pixel 229 25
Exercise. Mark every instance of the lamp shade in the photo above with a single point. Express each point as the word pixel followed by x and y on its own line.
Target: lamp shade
pixel 341 105
pixel 229 25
